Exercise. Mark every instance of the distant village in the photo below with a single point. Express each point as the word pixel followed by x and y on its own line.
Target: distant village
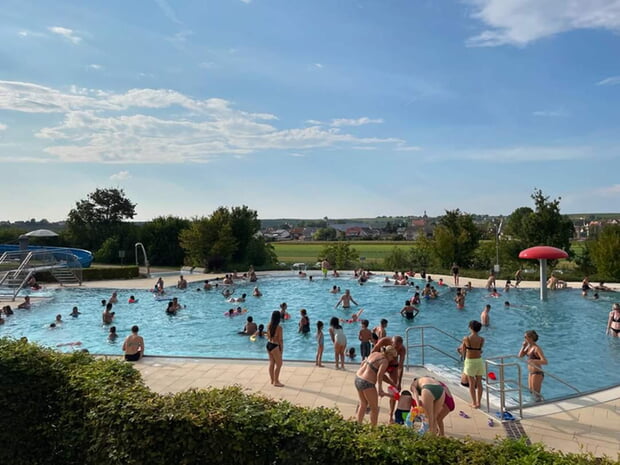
pixel 406 228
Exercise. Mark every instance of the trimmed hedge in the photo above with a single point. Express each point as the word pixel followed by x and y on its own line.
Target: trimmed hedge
pixel 98 274
pixel 73 409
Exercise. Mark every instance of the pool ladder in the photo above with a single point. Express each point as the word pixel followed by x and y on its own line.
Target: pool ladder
pixel 507 382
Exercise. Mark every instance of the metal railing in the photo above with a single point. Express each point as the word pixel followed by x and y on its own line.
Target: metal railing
pixel 423 345
pixel 64 266
pixel 507 381
pixel 504 384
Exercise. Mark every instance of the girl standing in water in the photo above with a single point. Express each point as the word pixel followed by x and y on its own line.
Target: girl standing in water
pixel 275 348
pixel 536 358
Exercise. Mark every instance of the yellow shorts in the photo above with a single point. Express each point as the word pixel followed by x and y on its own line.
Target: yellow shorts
pixel 474 367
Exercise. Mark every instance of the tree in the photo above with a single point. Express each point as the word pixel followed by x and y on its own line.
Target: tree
pixel 160 237
pixel 398 259
pixel 543 226
pixel 456 238
pixel 226 238
pixel 244 224
pixel 342 255
pixel 98 217
pixel 325 234
pixel 605 252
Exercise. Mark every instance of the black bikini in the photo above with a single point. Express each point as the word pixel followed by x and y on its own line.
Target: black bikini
pixel 533 356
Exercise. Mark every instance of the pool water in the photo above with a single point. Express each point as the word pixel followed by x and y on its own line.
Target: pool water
pixel 571 328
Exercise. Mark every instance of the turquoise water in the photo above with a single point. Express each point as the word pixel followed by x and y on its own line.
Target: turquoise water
pixel 571 328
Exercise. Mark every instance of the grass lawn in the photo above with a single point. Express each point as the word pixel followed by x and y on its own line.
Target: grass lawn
pixel 310 252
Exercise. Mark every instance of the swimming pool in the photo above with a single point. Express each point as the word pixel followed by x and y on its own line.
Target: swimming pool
pixel 571 328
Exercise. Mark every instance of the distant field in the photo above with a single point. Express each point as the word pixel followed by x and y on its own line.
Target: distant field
pixel 309 252
pixel 373 251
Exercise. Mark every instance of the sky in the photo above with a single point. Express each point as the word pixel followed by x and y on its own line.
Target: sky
pixel 307 109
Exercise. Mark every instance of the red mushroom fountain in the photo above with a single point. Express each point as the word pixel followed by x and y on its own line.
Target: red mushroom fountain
pixel 542 253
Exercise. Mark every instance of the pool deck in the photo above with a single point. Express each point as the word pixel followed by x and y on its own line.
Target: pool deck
pixel 586 424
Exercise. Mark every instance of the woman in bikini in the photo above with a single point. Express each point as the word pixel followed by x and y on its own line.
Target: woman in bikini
pixel 369 374
pixel 275 348
pixel 430 394
pixel 536 358
pixel 474 366
pixel 613 324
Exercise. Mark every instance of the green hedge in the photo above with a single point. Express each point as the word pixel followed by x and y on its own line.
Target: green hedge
pixel 98 274
pixel 74 409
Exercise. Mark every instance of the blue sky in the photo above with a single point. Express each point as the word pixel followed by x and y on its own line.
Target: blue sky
pixel 347 108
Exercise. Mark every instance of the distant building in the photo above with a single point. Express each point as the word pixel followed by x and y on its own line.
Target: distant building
pixel 420 227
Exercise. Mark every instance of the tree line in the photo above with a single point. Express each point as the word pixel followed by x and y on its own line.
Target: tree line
pixel 230 237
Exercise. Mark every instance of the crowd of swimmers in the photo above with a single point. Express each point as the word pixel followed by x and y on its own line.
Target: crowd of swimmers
pixel 382 357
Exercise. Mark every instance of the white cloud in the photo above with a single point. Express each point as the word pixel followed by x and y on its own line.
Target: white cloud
pixel 342 122
pixel 168 11
pixel 207 65
pixel 519 22
pixel 66 33
pixel 120 176
pixel 95 67
pixel 550 113
pixel 407 148
pixel 101 126
pixel 296 154
pixel 354 122
pixel 181 37
pixel 318 65
pixel 3 127
pixel 520 154
pixel 609 191
pixel 610 81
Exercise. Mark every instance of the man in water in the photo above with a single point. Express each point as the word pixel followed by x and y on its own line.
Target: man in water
pixel 346 300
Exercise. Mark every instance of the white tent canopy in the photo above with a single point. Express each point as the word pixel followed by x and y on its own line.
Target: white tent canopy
pixel 41 233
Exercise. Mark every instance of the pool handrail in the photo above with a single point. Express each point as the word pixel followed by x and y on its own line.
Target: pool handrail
pixel 517 362
pixel 422 344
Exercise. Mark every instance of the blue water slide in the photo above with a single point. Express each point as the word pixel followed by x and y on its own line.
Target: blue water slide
pixel 85 257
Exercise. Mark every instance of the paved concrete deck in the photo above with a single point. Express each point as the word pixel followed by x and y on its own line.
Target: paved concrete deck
pixel 587 424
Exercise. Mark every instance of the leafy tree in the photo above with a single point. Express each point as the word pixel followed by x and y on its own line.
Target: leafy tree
pixel 583 260
pixel 10 234
pixel 397 259
pixel 605 251
pixel 456 238
pixel 98 217
pixel 421 254
pixel 342 255
pixel 325 234
pixel 226 238
pixel 161 240
pixel 244 225
pixel 543 226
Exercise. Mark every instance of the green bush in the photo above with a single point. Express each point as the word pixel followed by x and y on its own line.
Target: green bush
pixel 74 409
pixel 98 274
